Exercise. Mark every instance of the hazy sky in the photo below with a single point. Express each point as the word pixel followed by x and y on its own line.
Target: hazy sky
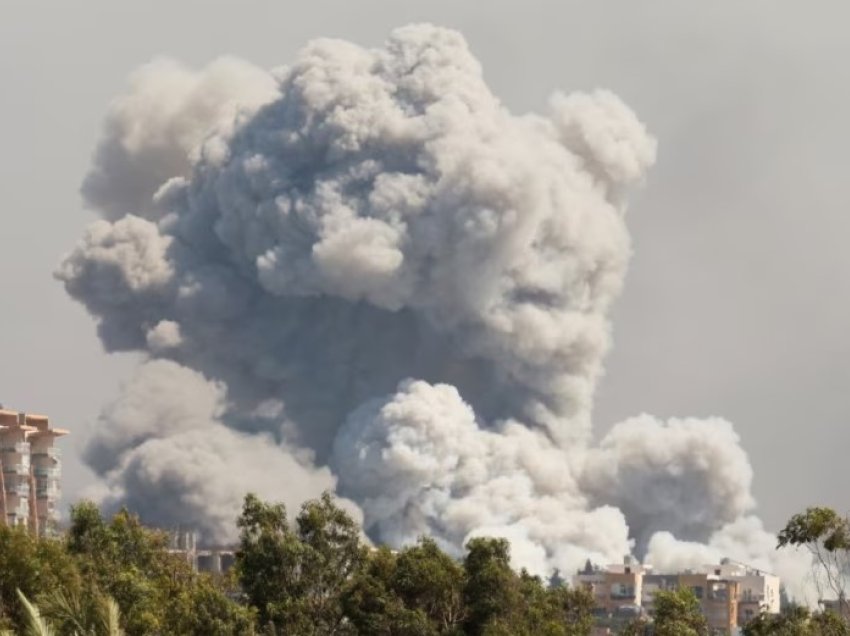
pixel 736 302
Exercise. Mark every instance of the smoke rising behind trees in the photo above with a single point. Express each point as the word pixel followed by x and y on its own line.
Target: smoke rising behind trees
pixel 362 272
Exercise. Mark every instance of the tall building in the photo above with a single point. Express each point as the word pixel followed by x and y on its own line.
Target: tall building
pixel 29 471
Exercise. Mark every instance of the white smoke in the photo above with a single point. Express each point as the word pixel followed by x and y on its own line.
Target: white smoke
pixel 418 463
pixel 687 477
pixel 364 263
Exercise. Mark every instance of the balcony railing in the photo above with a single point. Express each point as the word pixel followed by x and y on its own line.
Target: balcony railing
pixel 20 447
pixel 22 510
pixel 16 469
pixel 51 451
pixel 48 493
pixel 45 471
pixel 22 490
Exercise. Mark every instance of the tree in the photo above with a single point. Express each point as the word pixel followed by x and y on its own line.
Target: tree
pixel 298 580
pixel 81 614
pixel 792 622
pixel 30 565
pixel 429 580
pixel 157 592
pixel 267 557
pixel 374 607
pixel 35 624
pixel 797 621
pixel 490 593
pixel 826 535
pixel 332 554
pixel 639 626
pixel 574 608
pixel 678 613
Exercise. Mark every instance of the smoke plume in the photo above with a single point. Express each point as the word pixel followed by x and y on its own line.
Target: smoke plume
pixel 362 272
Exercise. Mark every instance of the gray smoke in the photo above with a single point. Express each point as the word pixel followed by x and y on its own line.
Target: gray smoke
pixel 685 476
pixel 164 449
pixel 363 268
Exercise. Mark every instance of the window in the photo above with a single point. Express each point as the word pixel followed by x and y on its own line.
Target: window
pixel 621 590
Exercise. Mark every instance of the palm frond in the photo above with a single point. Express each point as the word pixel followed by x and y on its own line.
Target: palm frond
pixel 36 624
pixel 66 608
pixel 112 618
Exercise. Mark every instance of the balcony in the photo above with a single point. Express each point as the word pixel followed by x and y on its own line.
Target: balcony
pixel 51 451
pixel 20 447
pixel 46 472
pixel 16 469
pixel 51 492
pixel 21 490
pixel 23 510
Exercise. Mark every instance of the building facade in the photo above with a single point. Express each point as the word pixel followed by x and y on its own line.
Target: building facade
pixel 30 467
pixel 212 559
pixel 730 594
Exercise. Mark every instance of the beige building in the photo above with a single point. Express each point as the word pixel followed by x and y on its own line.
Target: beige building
pixel 757 591
pixel 29 471
pixel 729 594
pixel 718 599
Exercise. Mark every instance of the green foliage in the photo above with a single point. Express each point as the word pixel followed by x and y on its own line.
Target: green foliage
pixel 373 605
pixel 31 566
pixel 797 621
pixel 817 525
pixel 678 613
pixel 107 578
pixel 636 627
pixel 501 603
pixel 157 592
pixel 491 592
pixel 298 579
pixel 34 624
pixel 427 580
pixel 311 577
pixel 826 535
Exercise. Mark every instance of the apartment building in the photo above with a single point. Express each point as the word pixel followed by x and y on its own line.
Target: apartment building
pixel 757 591
pixel 213 559
pixel 29 471
pixel 730 594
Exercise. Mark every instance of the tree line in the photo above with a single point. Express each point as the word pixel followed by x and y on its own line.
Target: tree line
pixel 315 576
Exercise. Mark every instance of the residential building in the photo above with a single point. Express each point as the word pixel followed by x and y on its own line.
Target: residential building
pixel 29 471
pixel 730 594
pixel 614 587
pixel 757 591
pixel 215 559
pixel 718 599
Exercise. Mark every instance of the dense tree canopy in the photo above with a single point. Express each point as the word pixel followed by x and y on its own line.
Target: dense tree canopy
pixel 315 575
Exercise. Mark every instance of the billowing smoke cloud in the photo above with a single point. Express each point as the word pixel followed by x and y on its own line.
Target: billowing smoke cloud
pixel 363 268
pixel 165 449
pixel 419 463
pixel 687 476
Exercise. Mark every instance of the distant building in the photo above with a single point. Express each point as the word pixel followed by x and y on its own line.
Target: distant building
pixel 215 559
pixel 757 591
pixel 29 471
pixel 730 594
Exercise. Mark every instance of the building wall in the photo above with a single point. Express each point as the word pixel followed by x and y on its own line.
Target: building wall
pixel 613 590
pixel 30 468
pixel 729 596
pixel 718 599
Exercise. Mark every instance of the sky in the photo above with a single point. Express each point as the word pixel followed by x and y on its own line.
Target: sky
pixel 736 300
